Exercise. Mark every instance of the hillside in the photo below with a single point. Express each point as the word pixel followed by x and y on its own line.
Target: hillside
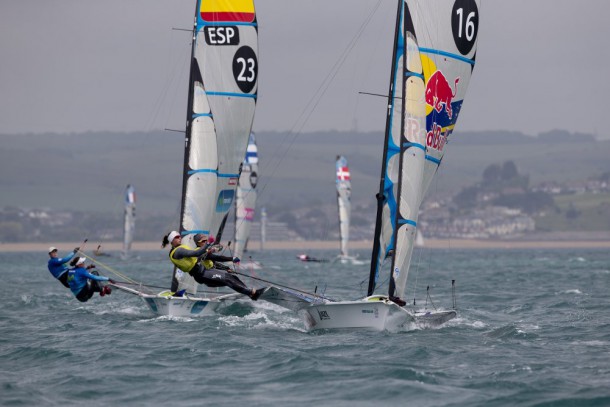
pixel 88 172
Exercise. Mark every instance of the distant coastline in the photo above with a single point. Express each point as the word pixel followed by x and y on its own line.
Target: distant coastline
pixel 330 245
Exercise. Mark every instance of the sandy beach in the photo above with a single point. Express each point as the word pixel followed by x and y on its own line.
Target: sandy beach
pixel 298 246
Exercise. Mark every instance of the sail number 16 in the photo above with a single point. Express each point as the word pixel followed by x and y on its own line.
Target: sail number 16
pixel 465 24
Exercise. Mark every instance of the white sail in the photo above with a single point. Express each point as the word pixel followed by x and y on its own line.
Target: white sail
pixel 434 54
pixel 129 220
pixel 245 204
pixel 344 193
pixel 222 98
pixel 440 46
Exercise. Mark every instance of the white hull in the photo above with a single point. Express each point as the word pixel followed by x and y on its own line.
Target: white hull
pixel 187 306
pixel 375 313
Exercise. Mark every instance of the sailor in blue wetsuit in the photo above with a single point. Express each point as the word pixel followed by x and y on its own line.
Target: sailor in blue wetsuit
pixel 57 266
pixel 84 284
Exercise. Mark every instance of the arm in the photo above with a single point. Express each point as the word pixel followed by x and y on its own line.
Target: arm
pixel 90 276
pixel 67 258
pixel 94 277
pixel 218 257
pixel 181 252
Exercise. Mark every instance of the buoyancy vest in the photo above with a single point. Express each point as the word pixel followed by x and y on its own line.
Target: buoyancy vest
pixel 185 264
pixel 208 264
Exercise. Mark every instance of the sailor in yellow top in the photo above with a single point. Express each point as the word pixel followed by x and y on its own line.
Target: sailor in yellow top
pixel 195 263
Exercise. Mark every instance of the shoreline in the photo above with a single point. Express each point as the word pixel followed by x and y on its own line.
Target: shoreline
pixel 304 245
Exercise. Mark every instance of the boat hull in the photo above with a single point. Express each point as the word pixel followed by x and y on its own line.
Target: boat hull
pixel 164 304
pixel 181 307
pixel 371 313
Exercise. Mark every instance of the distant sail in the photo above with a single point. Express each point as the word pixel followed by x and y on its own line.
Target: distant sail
pixel 222 97
pixel 245 205
pixel 129 220
pixel 344 193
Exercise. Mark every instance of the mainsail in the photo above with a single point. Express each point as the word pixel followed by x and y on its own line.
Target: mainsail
pixel 344 193
pixel 245 203
pixel 434 55
pixel 221 102
pixel 130 220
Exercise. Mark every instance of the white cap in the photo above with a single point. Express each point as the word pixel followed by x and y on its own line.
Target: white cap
pixel 172 235
pixel 81 260
pixel 52 249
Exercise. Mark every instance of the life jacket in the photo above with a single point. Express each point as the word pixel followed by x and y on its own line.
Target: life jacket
pixel 186 264
pixel 208 264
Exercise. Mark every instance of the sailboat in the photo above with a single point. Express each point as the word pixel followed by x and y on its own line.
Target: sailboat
pixel 245 202
pixel 433 59
pixel 344 193
pixel 221 102
pixel 129 222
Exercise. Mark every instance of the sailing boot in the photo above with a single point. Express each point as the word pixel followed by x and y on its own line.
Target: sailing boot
pixel 257 293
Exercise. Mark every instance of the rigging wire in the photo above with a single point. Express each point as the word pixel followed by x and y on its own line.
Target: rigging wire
pixel 313 102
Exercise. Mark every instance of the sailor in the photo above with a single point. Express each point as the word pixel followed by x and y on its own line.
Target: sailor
pixel 212 260
pixel 57 266
pixel 192 261
pixel 83 283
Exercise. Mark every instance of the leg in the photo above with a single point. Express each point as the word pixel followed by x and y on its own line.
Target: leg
pixel 96 286
pixel 64 279
pixel 220 278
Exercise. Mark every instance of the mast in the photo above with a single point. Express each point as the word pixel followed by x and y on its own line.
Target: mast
pixel 375 261
pixel 189 116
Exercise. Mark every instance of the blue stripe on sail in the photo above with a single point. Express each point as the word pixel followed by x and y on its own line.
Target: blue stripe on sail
pixel 237 95
pixel 420 146
pixel 446 54
pixel 407 222
pixel 433 159
pixel 190 232
pixel 196 115
pixel 211 171
pixel 226 23
pixel 414 74
pixel 203 170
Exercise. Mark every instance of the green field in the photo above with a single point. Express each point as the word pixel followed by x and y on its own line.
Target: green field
pixel 585 212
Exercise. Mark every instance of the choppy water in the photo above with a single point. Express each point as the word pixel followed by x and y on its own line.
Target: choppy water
pixel 533 330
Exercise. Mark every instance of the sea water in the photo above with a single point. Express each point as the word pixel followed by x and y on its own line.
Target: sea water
pixel 533 329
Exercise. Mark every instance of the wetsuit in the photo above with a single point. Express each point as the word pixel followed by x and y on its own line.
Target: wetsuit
pixel 188 260
pixel 84 284
pixel 57 267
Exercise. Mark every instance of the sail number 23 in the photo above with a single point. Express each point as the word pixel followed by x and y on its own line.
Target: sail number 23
pixel 245 68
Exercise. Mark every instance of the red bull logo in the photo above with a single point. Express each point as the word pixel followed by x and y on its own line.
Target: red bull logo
pixel 439 93
pixel 435 138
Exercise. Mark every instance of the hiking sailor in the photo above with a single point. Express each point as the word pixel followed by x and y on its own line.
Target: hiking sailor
pixel 84 284
pixel 189 261
pixel 57 265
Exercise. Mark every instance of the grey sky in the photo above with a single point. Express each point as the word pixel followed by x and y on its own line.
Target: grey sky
pixel 78 65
